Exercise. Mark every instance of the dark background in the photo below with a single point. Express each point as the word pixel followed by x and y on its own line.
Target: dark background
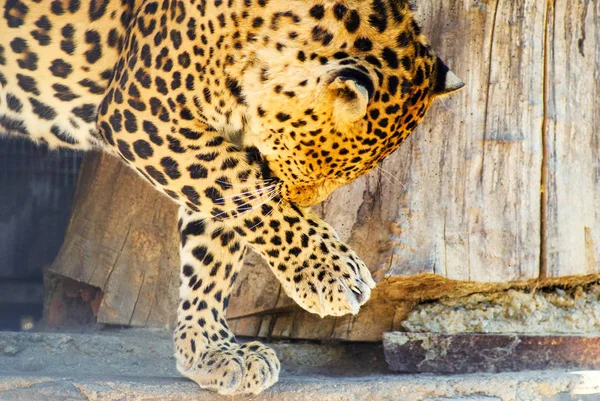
pixel 36 193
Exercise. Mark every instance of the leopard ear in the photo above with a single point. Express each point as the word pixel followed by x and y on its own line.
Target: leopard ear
pixel 351 91
pixel 446 82
pixel 351 100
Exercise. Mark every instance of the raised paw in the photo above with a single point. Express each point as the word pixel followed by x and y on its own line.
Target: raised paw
pixel 333 281
pixel 240 369
pixel 319 272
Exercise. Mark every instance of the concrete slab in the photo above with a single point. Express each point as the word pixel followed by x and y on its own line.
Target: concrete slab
pixel 134 365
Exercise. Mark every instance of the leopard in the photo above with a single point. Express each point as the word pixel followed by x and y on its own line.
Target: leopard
pixel 245 113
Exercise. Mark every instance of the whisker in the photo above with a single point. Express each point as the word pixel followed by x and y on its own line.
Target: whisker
pixel 444 103
pixel 267 180
pixel 389 181
pixel 272 209
pixel 254 191
pixel 254 207
pixel 394 177
pixel 276 207
pixel 226 212
pixel 272 195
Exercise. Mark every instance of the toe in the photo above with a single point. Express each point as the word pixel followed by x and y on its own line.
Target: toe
pixel 262 368
pixel 258 375
pixel 231 379
pixel 363 293
pixel 351 300
pixel 366 276
pixel 220 371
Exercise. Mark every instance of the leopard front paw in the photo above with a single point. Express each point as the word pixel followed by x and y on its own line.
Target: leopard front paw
pixel 330 280
pixel 238 369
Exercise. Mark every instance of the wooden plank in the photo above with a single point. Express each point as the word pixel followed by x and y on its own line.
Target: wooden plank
pixel 573 139
pixel 375 318
pixel 246 326
pixel 133 283
pixel 473 168
pixel 257 289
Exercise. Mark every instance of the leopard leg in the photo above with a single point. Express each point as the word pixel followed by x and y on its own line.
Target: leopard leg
pixel 206 350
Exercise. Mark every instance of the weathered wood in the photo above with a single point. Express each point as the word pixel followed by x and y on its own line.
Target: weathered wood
pixel 124 242
pixel 572 184
pixel 257 290
pixel 472 211
pixel 376 317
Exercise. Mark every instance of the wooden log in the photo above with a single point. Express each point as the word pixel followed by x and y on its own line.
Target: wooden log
pixel 124 242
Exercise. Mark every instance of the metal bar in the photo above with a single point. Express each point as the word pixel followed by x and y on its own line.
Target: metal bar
pixel 471 353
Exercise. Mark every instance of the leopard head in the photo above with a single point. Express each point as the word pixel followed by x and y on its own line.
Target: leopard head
pixel 337 87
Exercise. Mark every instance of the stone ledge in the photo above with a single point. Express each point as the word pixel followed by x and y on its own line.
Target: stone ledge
pixel 138 366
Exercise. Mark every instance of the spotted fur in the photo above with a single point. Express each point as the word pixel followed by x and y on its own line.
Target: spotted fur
pixel 244 112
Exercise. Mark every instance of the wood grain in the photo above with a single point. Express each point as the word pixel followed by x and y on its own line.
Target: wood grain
pixel 124 242
pixel 573 139
pixel 473 168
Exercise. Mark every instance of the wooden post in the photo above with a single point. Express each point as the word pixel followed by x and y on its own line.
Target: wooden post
pixel 122 238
